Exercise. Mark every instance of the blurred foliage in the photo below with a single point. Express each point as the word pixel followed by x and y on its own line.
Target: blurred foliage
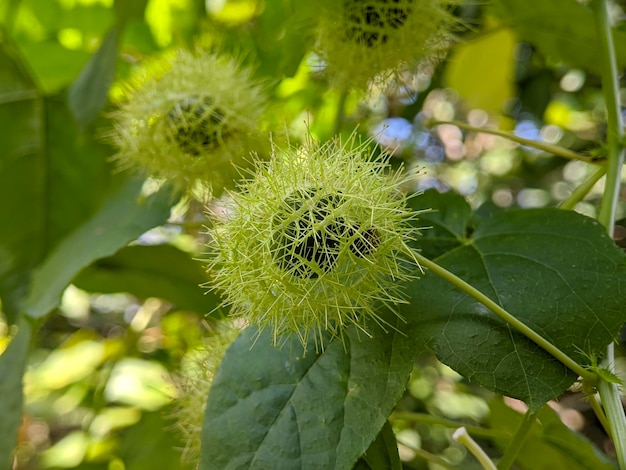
pixel 100 376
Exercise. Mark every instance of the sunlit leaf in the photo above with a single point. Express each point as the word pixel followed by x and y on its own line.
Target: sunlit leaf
pixel 481 70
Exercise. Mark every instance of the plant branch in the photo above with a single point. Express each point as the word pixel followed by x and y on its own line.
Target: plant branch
pixel 508 318
pixel 424 418
pixel 583 189
pixel 424 454
pixel 548 148
pixel 462 437
pixel 516 444
pixel 609 392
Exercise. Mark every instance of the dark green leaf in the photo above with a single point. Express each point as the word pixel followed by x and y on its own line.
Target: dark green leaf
pixel 126 10
pixel 382 453
pixel 556 271
pixel 152 443
pixel 278 408
pixel 549 443
pixel 445 223
pixel 12 366
pixel 562 30
pixel 151 271
pixel 120 220
pixel 89 93
pixel 55 176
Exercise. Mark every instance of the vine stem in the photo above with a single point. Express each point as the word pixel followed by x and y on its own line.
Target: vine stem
pixel 583 189
pixel 519 326
pixel 462 437
pixel 609 392
pixel 424 418
pixel 548 148
pixel 514 448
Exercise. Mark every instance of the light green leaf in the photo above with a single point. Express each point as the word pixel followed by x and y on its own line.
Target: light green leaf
pixel 481 71
pixel 556 271
pixel 151 271
pixel 279 408
pixel 119 221
pixel 549 443
pixel 89 93
pixel 12 366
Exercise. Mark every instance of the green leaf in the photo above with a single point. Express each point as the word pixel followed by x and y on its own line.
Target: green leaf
pixel 126 10
pixel 382 453
pixel 482 70
pixel 55 175
pixel 556 271
pixel 151 271
pixel 549 443
pixel 444 226
pixel 561 29
pixel 119 221
pixel 89 93
pixel 279 408
pixel 20 143
pixel 12 366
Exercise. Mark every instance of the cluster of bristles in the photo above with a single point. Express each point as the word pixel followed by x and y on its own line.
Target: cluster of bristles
pixel 316 242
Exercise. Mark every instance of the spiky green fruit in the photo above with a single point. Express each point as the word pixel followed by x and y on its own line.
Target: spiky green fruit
pixel 194 121
pixel 363 39
pixel 315 242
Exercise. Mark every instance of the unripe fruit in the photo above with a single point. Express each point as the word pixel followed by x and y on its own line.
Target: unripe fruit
pixel 364 40
pixel 195 123
pixel 369 21
pixel 316 242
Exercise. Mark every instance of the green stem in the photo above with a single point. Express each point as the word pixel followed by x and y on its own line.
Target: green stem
pixel 424 418
pixel 516 444
pixel 508 318
pixel 590 394
pixel 609 392
pixel 548 148
pixel 424 454
pixel 462 437
pixel 583 189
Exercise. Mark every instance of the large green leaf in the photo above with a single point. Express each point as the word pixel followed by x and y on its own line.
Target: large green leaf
pixel 21 175
pixel 12 365
pixel 151 271
pixel 549 443
pixel 54 175
pixel 562 30
pixel 556 271
pixel 121 219
pixel 278 408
